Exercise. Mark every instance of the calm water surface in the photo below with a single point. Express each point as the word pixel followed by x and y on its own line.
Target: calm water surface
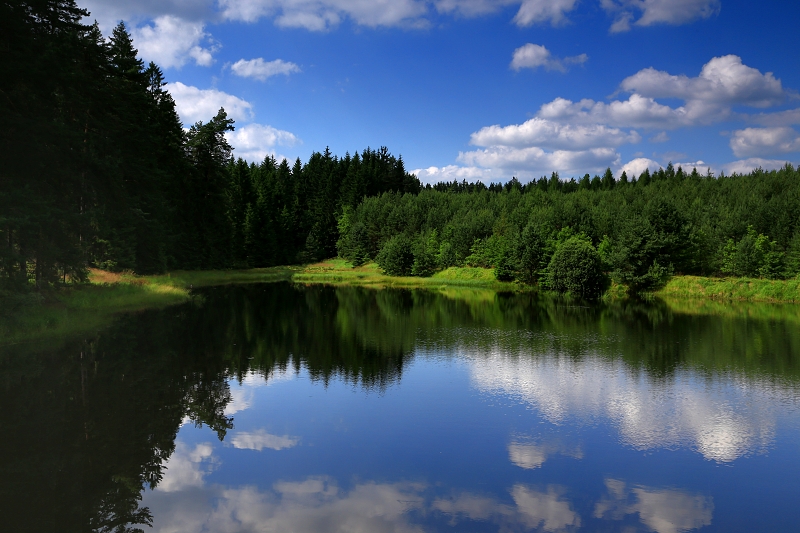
pixel 313 409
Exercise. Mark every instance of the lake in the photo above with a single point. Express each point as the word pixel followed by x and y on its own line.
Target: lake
pixel 290 408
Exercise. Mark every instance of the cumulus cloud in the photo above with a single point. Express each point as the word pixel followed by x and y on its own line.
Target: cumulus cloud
pixel 635 167
pixel 172 42
pixel 789 117
pixel 254 142
pixel 261 70
pixel 722 81
pixel 319 15
pixel 452 173
pixel 471 8
pixel 583 136
pixel 534 161
pixel 764 141
pixel 540 146
pixel 195 104
pixel 109 12
pixel 637 112
pixel 651 12
pixel 537 11
pixel 260 439
pixel 745 166
pixel 660 137
pixel 555 135
pixel 663 511
pixel 535 55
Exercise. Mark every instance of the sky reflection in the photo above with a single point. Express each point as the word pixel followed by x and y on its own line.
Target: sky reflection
pixel 723 418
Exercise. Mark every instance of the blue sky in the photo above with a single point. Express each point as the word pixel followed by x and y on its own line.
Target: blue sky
pixel 482 89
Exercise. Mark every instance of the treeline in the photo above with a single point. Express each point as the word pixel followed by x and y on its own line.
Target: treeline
pixel 97 170
pixel 569 235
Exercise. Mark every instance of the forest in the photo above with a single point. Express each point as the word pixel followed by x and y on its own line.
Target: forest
pixel 96 170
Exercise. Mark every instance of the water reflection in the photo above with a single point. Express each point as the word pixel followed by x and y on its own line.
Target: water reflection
pixel 664 511
pixel 529 455
pixel 260 439
pixel 722 418
pixel 315 504
pixel 546 510
pixel 93 422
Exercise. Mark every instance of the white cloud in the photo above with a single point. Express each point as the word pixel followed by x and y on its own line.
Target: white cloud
pixel 535 55
pixel 660 137
pixel 254 142
pixel 663 511
pixel 548 134
pixel 789 117
pixel 172 42
pixel 452 173
pixel 537 11
pixel 635 167
pixel 745 166
pixel 471 8
pixel 261 70
pixel 260 439
pixel 673 12
pixel 764 141
pixel 109 12
pixel 722 81
pixel 636 112
pixel 195 104
pixel 578 137
pixel 319 15
pixel 533 161
pixel 186 467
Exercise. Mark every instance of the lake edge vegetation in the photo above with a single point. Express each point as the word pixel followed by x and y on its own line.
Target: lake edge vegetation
pixel 98 172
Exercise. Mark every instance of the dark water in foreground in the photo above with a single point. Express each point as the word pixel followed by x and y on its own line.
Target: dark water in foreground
pixel 281 408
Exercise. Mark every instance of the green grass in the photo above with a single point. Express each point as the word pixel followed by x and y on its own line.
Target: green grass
pixel 340 272
pixel 75 310
pixel 78 309
pixel 729 289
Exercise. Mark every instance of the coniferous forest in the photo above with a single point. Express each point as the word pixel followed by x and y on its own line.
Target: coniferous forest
pixel 96 170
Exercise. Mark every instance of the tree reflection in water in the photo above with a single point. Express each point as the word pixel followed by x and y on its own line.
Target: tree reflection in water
pixel 91 423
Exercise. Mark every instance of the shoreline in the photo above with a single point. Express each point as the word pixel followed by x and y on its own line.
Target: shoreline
pixel 73 310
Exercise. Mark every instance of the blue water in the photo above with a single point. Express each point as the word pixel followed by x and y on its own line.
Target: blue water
pixel 283 408
pixel 476 440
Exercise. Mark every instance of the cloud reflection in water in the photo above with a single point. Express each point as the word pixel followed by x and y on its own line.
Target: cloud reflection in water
pixel 723 419
pixel 663 511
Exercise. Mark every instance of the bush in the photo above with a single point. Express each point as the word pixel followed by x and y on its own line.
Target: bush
pixel 754 255
pixel 425 248
pixel 396 257
pixel 576 268
pixel 504 270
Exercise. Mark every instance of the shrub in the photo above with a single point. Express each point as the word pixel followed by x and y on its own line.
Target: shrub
pixel 396 257
pixel 576 268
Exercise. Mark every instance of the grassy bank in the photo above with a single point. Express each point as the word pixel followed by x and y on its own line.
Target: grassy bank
pixel 731 289
pixel 74 310
pixel 340 272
